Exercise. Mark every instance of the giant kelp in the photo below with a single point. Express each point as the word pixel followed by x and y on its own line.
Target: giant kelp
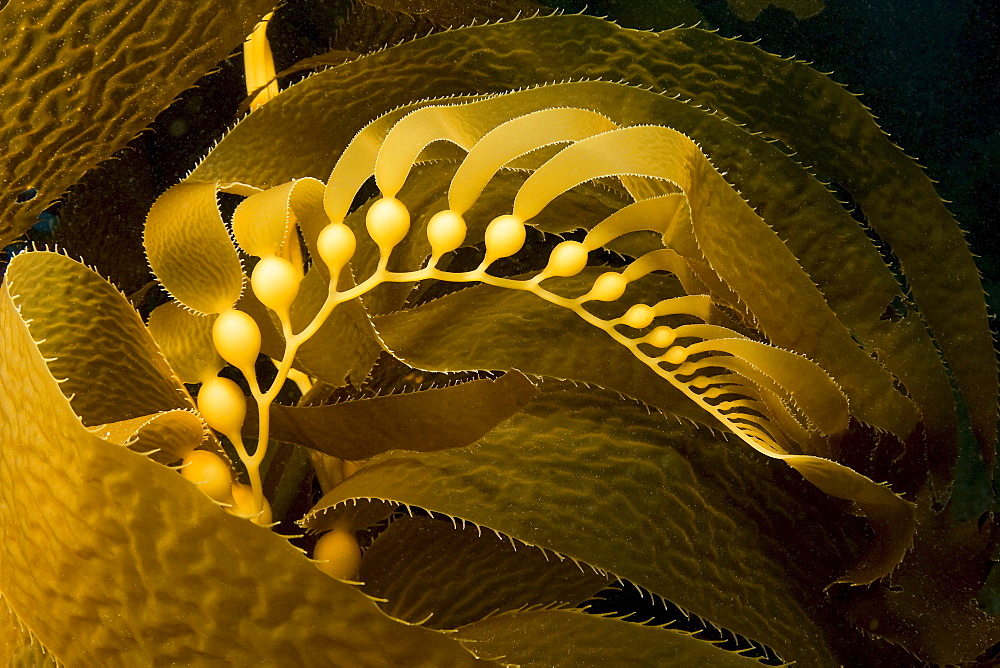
pixel 79 79
pixel 595 294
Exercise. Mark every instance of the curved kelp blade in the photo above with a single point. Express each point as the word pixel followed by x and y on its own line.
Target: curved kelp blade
pixel 892 518
pixel 71 100
pixel 541 638
pixel 261 222
pixel 190 250
pixel 452 574
pixel 601 480
pixel 91 527
pixel 186 341
pixel 486 327
pixel 683 62
pixel 165 437
pixel 92 338
pixel 427 420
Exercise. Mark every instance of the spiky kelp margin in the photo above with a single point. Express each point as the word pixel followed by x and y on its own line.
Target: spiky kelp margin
pixel 580 469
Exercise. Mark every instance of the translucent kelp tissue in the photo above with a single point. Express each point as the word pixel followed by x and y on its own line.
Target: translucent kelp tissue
pixel 464 338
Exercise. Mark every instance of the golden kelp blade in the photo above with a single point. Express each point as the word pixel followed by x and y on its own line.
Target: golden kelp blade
pixel 145 566
pixel 723 77
pixel 190 250
pixel 607 482
pixel 456 573
pixel 412 419
pixel 258 64
pixel 592 640
pixel 71 99
pixel 93 340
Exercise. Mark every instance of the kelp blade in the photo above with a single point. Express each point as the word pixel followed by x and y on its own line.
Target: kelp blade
pixel 452 574
pixel 683 62
pixel 93 339
pixel 146 566
pixel 572 473
pixel 71 99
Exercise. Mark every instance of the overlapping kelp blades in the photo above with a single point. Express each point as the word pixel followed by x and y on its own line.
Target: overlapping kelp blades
pixel 80 78
pixel 670 59
pixel 417 550
pixel 718 216
pixel 479 117
pixel 666 154
pixel 896 197
pixel 144 564
pixel 761 174
pixel 932 610
pixel 737 244
pixel 583 466
pixel 500 327
pixel 497 574
pixel 510 329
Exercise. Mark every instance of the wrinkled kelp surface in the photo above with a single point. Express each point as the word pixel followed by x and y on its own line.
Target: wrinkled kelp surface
pixel 79 79
pixel 692 373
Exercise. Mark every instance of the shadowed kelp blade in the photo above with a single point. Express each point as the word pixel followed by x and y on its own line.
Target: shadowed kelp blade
pixel 92 527
pixel 79 78
pixel 704 68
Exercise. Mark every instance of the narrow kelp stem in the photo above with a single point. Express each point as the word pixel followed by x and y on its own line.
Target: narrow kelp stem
pixel 743 407
pixel 783 403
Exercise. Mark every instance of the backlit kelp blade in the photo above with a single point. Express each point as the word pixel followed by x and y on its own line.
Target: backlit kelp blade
pixel 357 430
pixel 854 152
pixel 416 573
pixel 146 566
pixel 570 317
pixel 93 340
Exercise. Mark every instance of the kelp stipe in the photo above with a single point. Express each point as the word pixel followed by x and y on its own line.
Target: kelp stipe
pixel 741 299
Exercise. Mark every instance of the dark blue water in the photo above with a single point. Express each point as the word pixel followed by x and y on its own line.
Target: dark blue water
pixel 928 69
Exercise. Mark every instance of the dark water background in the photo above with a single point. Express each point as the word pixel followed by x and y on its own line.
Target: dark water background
pixel 928 69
